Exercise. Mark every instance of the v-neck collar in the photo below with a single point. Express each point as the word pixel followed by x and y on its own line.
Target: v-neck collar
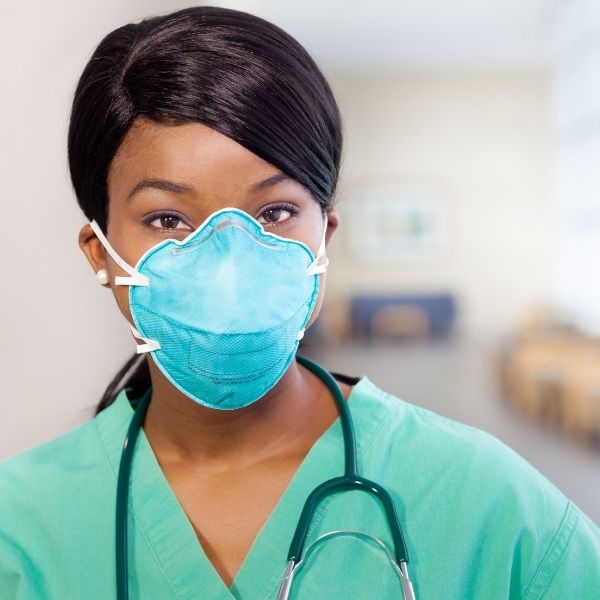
pixel 156 511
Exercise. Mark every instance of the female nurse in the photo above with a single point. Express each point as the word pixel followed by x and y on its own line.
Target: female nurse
pixel 204 148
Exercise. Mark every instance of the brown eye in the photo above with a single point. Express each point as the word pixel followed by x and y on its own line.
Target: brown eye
pixel 275 215
pixel 168 221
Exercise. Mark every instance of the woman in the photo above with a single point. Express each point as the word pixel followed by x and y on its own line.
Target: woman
pixel 204 148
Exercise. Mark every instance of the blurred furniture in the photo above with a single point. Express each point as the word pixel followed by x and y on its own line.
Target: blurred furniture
pixel 554 377
pixel 402 315
pixel 400 321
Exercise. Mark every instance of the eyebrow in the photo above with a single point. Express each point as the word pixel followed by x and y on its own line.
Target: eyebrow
pixel 271 181
pixel 159 184
pixel 172 186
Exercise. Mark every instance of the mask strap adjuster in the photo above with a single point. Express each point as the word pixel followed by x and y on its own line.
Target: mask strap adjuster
pixel 135 278
pixel 148 346
pixel 315 268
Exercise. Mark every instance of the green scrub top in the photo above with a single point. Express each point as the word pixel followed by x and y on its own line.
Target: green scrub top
pixel 479 521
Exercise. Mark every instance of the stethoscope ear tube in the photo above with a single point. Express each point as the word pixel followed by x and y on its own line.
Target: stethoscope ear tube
pixel 286 582
pixel 123 495
pixel 401 569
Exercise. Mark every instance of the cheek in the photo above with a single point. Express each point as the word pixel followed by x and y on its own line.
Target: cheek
pixel 121 294
pixel 321 296
pixel 129 245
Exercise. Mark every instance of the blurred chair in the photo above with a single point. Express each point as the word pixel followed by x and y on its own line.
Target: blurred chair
pixel 549 385
pixel 556 379
pixel 400 322
pixel 535 373
pixel 582 397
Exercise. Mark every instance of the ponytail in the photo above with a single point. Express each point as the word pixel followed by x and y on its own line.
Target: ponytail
pixel 133 375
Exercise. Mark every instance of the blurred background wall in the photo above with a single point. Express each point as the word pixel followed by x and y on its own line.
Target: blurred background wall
pixel 481 140
pixel 576 119
pixel 464 275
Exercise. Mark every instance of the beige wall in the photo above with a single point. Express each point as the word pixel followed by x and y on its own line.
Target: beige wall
pixel 483 140
pixel 61 338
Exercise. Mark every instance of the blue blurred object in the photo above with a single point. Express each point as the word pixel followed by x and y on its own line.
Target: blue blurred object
pixel 438 311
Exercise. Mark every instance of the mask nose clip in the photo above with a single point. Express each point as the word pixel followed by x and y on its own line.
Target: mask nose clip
pixel 218 228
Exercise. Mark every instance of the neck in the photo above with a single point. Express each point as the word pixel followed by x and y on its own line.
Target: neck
pixel 287 420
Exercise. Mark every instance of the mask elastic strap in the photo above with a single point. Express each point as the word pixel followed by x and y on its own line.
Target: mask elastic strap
pixel 135 277
pixel 315 268
pixel 149 346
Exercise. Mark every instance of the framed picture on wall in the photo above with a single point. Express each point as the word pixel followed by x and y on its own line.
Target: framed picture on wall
pixel 397 221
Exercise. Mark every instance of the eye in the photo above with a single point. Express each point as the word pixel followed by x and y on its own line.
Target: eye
pixel 168 222
pixel 275 215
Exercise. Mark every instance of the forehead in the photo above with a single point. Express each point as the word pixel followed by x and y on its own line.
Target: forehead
pixel 191 152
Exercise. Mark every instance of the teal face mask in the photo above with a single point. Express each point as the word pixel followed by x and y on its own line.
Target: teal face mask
pixel 222 311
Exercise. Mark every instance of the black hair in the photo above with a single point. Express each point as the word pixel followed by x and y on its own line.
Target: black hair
pixel 232 71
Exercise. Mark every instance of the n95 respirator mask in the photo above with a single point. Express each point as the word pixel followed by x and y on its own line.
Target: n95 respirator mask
pixel 222 311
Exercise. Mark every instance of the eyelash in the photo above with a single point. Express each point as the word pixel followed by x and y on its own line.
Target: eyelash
pixel 293 210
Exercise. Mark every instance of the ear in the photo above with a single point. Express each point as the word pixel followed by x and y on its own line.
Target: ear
pixel 92 248
pixel 333 221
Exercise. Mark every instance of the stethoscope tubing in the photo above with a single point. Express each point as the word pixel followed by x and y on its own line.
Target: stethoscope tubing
pixel 121 532
pixel 351 480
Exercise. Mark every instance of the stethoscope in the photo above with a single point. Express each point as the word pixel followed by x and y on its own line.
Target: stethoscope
pixel 351 480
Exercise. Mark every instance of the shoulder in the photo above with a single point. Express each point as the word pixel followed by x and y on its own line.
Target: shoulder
pixel 53 455
pixel 77 452
pixel 466 462
pixel 56 509
pixel 37 481
pixel 452 477
pixel 442 443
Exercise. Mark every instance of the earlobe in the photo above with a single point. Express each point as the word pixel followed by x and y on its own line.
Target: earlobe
pixel 92 248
